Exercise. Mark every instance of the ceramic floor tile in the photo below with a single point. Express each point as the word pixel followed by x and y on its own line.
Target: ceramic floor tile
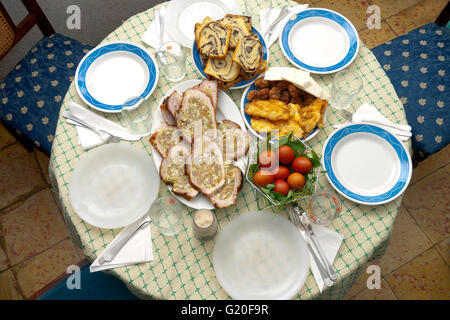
pixel 426 277
pixel 43 161
pixel 5 138
pixel 444 250
pixel 19 174
pixel 374 37
pixel 425 12
pixel 8 286
pixel 407 242
pixel 424 168
pixel 35 273
pixel 428 201
pixel 32 227
pixel 384 293
pixel 354 10
pixel 443 156
pixel 4 261
pixel 389 8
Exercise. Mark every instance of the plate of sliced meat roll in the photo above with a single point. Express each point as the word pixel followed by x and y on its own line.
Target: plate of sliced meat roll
pixel 199 142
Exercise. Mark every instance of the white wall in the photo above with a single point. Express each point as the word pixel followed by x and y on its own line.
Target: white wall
pixel 98 19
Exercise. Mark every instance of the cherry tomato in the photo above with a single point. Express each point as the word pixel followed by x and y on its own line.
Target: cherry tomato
pixel 267 159
pixel 286 154
pixel 263 177
pixel 302 165
pixel 281 187
pixel 281 172
pixel 296 180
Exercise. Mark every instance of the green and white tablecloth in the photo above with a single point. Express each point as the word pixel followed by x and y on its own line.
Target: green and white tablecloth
pixel 182 266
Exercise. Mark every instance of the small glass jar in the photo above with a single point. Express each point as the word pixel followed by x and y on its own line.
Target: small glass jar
pixel 204 224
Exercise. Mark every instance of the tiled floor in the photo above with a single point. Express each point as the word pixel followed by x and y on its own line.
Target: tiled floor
pixel 35 248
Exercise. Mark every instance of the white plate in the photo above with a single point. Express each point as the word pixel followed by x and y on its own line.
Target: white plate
pixel 113 185
pixel 366 164
pixel 111 74
pixel 319 40
pixel 261 256
pixel 226 109
pixel 182 15
pixel 248 118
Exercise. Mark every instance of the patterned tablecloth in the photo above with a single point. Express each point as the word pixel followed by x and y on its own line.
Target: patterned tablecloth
pixel 182 267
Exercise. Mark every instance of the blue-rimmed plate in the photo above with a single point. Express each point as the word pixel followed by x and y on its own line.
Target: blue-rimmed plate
pixel 111 74
pixel 248 118
pixel 366 164
pixel 319 41
pixel 200 68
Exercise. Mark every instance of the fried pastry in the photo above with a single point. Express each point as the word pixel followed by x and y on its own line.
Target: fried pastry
pixel 273 110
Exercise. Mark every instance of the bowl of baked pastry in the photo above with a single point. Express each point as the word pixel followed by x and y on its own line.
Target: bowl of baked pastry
pixel 229 50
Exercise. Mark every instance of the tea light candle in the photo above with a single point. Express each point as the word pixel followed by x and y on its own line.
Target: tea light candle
pixel 204 224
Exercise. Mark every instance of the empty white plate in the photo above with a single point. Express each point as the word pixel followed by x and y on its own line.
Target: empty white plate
pixel 319 41
pixel 261 256
pixel 182 15
pixel 113 185
pixel 366 164
pixel 112 73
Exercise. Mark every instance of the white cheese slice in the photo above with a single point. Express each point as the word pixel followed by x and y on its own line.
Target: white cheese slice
pixel 298 78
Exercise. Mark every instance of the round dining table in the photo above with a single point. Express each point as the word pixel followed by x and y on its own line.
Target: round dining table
pixel 182 267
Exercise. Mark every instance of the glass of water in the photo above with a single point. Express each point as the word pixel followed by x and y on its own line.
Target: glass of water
pixel 171 58
pixel 166 215
pixel 254 9
pixel 323 207
pixel 138 115
pixel 345 88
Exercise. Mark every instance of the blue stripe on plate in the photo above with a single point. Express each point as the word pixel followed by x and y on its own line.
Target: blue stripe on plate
pixel 96 53
pixel 342 21
pixel 403 158
pixel 199 65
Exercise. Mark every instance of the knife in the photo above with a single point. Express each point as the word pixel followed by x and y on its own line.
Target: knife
pixel 112 128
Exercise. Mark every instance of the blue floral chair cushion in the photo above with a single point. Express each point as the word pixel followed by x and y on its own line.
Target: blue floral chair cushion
pixel 418 66
pixel 32 93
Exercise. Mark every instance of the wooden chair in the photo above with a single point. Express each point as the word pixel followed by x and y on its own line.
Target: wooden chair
pixel 32 93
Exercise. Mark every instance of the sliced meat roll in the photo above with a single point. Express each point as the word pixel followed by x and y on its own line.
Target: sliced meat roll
pixel 172 171
pixel 227 195
pixel 165 138
pixel 196 115
pixel 211 89
pixel 233 140
pixel 170 107
pixel 206 169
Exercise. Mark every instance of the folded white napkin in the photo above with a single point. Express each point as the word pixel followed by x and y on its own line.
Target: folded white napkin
pixel 368 112
pixel 330 242
pixel 267 16
pixel 86 137
pixel 137 250
pixel 150 36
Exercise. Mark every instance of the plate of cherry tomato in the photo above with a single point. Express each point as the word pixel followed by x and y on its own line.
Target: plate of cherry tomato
pixel 283 169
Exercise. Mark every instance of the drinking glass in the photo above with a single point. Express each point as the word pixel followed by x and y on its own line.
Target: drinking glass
pixel 323 207
pixel 253 9
pixel 172 60
pixel 166 215
pixel 345 88
pixel 138 115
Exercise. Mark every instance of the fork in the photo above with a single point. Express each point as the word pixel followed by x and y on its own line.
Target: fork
pixel 105 136
pixel 295 218
pixel 283 13
pixel 402 127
